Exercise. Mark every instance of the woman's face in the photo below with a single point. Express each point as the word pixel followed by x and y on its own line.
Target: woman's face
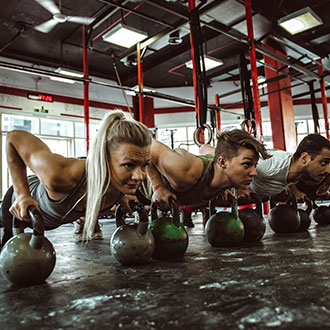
pixel 129 164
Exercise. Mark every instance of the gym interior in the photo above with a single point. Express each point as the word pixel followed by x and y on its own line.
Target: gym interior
pixel 191 69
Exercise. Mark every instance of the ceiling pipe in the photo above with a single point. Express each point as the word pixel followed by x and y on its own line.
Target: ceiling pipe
pixel 41 72
pixel 282 59
pixel 133 11
pixel 284 74
pixel 298 51
pixel 242 40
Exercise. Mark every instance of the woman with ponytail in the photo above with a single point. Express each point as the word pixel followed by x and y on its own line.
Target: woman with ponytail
pixel 65 189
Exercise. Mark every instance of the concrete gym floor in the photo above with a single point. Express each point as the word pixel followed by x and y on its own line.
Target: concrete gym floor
pixel 281 283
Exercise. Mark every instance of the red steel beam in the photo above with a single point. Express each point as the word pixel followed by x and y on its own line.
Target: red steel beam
pixel 86 87
pixel 254 72
pixel 218 112
pixel 324 99
pixel 191 6
pixel 140 81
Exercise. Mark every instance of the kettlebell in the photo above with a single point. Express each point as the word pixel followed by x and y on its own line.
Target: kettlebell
pixel 171 237
pixel 28 258
pixel 305 219
pixel 132 243
pixel 224 228
pixel 322 215
pixel 253 222
pixel 284 217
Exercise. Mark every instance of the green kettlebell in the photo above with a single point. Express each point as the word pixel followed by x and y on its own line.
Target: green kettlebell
pixel 224 228
pixel 171 237
pixel 132 243
pixel 28 258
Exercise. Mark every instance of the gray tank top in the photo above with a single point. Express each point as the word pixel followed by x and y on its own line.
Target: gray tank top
pixel 55 213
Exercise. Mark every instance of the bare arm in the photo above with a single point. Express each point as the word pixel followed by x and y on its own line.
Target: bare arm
pixel 181 169
pixel 161 194
pixel 26 150
pixel 301 196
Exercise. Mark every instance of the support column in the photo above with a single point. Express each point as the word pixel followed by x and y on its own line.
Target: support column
pixel 254 71
pixel 149 112
pixel 324 100
pixel 148 116
pixel 280 105
pixel 86 87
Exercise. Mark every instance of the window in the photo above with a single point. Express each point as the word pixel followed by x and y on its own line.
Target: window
pixel 56 127
pixel 11 122
pixel 79 130
pixel 80 148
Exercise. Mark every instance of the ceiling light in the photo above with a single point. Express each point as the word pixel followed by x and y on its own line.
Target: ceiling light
pixel 124 36
pixel 65 80
pixel 69 73
pixel 299 21
pixel 210 63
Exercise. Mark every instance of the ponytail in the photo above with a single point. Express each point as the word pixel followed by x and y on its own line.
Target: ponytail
pixel 115 129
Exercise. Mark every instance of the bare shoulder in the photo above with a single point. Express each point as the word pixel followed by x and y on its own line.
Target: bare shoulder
pixel 64 175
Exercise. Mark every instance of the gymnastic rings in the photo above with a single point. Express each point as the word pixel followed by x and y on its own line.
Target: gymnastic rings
pixel 249 125
pixel 198 131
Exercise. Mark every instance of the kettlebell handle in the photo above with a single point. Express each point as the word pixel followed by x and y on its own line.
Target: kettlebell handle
pixel 259 207
pixel 212 208
pixel 38 226
pixel 309 205
pixel 36 219
pixel 293 201
pixel 143 216
pixel 154 214
pixel 175 211
pixel 290 201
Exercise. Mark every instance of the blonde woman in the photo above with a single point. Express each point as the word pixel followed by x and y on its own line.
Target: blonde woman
pixel 65 189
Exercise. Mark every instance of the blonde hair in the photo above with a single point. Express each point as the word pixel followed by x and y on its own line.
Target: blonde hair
pixel 114 130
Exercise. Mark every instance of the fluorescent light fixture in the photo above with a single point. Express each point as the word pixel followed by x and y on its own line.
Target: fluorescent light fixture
pixel 299 21
pixel 69 73
pixel 124 36
pixel 210 63
pixel 65 80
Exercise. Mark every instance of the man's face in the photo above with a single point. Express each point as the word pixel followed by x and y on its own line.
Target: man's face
pixel 318 168
pixel 241 169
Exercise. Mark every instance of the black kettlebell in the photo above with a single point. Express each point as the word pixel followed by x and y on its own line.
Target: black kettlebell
pixel 171 237
pixel 322 215
pixel 132 243
pixel 224 228
pixel 284 217
pixel 254 223
pixel 305 219
pixel 28 258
